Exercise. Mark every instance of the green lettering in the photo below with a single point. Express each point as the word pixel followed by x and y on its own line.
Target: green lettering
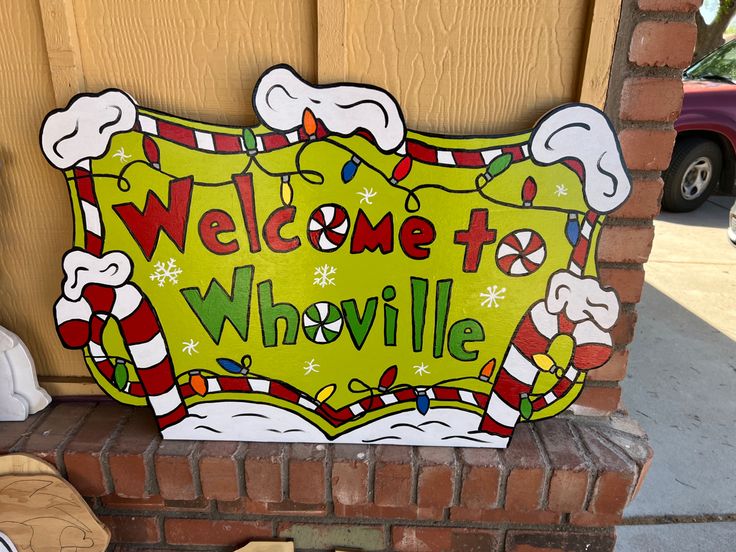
pixel 462 332
pixel 358 327
pixel 216 305
pixel 270 314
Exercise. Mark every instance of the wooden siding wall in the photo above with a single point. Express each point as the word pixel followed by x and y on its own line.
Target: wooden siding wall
pixel 466 66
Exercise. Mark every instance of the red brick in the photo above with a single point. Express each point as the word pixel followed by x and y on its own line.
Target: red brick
pixel 83 454
pixel 349 482
pixel 13 433
pixel 54 429
pixel 616 474
pixel 644 201
pixel 651 99
pixel 132 529
pixel 283 507
pixel 442 539
pixel 622 332
pixel 307 481
pixel 200 504
pixel 480 478
pixel 647 149
pixel 603 400
pixel 589 519
pixel 121 503
pixel 625 244
pixel 218 470
pixel 628 282
pixel 525 481
pixel 500 515
pixel 374 511
pixel 174 462
pixel 557 541
pixel 263 472
pixel 435 486
pixel 215 533
pixel 663 43
pixel 393 476
pixel 686 6
pixel 569 483
pixel 130 455
pixel 436 480
pixel 613 370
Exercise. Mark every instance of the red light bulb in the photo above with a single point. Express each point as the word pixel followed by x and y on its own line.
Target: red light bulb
pixel 387 378
pixel 151 151
pixel 401 170
pixel 528 191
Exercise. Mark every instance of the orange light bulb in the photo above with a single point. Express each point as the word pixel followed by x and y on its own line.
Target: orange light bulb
pixel 198 383
pixel 487 370
pixel 309 122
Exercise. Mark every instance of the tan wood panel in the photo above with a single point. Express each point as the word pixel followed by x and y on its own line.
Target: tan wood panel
pixel 476 66
pixel 193 58
pixel 596 69
pixel 34 207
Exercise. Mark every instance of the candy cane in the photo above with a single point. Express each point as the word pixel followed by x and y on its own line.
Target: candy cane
pixel 519 372
pixel 81 323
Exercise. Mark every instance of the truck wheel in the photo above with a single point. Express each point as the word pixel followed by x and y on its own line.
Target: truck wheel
pixel 692 174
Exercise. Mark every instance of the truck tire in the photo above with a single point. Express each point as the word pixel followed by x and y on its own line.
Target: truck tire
pixel 692 175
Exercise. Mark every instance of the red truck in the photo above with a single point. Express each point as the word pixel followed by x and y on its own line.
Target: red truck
pixel 703 158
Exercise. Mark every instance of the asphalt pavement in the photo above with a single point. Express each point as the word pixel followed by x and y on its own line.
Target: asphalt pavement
pixel 681 385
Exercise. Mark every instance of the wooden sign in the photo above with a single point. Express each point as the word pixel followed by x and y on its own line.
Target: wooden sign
pixel 42 512
pixel 329 275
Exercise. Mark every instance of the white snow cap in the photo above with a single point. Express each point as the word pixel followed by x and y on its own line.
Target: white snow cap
pixel 81 269
pixel 582 299
pixel 83 130
pixel 584 133
pixel 281 97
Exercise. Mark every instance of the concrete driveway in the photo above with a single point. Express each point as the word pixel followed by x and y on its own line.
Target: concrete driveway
pixel 681 385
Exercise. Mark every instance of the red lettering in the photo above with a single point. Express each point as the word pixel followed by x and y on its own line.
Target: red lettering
pixel 474 238
pixel 244 186
pixel 367 236
pixel 415 233
pixel 212 224
pixel 146 226
pixel 272 230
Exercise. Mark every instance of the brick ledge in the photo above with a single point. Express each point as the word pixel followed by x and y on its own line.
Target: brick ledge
pixel 571 475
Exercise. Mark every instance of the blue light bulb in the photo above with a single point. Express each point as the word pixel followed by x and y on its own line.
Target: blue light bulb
pixel 349 169
pixel 230 365
pixel 572 230
pixel 422 403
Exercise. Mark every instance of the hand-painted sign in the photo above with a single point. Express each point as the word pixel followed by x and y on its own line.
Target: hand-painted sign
pixel 329 275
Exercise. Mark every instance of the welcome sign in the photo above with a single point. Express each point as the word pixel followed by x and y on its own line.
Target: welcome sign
pixel 329 275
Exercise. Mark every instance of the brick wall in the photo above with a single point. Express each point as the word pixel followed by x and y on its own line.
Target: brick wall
pixel 561 486
pixel 655 42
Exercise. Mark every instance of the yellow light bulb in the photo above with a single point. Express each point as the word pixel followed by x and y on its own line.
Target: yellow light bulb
pixel 287 192
pixel 544 362
pixel 326 392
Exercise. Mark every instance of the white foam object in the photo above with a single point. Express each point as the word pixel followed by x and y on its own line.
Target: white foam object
pixel 20 394
pixel 281 96
pixel 84 128
pixel 582 132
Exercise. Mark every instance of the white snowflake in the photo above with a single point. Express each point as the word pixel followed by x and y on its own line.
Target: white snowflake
pixel 492 296
pixel 310 366
pixel 323 274
pixel 421 369
pixel 366 195
pixel 122 155
pixel 560 190
pixel 166 272
pixel 190 347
